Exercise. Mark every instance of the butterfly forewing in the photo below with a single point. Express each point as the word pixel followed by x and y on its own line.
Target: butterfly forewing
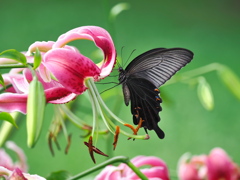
pixel 159 65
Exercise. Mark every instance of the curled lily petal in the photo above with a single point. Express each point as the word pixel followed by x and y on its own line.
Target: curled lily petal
pixel 101 38
pixel 154 173
pixel 5 160
pixel 150 160
pixel 22 163
pixel 10 102
pixel 108 173
pixel 43 46
pixel 70 68
pixel 7 61
pixel 16 97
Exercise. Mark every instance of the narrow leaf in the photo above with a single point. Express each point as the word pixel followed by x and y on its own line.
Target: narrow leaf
pixel 59 175
pixel 117 9
pixel 230 79
pixel 35 111
pixel 15 55
pixel 37 59
pixel 7 117
pixel 6 128
pixel 2 81
pixel 205 94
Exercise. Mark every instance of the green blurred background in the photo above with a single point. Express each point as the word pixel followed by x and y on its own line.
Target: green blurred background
pixel 211 29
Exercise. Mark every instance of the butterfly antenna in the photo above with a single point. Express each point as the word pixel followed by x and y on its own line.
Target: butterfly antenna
pixel 114 75
pixel 109 88
pixel 129 57
pixel 122 54
pixel 107 83
pixel 118 64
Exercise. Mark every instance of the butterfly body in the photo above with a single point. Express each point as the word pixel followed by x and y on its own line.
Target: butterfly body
pixel 142 78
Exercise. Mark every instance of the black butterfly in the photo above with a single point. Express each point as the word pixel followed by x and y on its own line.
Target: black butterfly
pixel 142 78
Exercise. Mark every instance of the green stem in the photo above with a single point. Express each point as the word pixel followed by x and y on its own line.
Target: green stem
pixel 9 66
pixel 196 72
pixel 6 87
pixel 117 159
pixel 110 125
pixel 72 117
pixel 104 105
pixel 91 87
pixel 136 170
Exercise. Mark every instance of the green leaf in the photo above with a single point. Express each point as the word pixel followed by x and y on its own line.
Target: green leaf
pixel 59 175
pixel 35 111
pixel 37 59
pixel 15 55
pixel 205 94
pixel 230 79
pixel 2 81
pixel 7 117
pixel 6 128
pixel 117 9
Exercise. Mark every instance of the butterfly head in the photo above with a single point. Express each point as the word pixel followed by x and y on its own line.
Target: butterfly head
pixel 122 75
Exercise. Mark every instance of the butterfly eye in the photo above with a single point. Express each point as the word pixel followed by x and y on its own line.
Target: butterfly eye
pixel 120 69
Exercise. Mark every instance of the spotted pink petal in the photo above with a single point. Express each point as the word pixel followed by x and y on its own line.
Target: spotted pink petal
pixel 59 95
pixel 101 38
pixel 70 68
pixel 54 91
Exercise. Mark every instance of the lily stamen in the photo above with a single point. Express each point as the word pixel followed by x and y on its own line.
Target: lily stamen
pixel 93 149
pixel 116 137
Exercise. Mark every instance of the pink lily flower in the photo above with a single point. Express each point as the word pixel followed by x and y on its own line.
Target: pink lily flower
pixel 65 63
pixel 220 166
pixel 216 166
pixel 7 162
pixel 157 171
pixel 17 174
pixel 17 170
pixel 192 168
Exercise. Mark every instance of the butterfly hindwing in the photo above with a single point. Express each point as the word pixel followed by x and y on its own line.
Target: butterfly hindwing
pixel 145 103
